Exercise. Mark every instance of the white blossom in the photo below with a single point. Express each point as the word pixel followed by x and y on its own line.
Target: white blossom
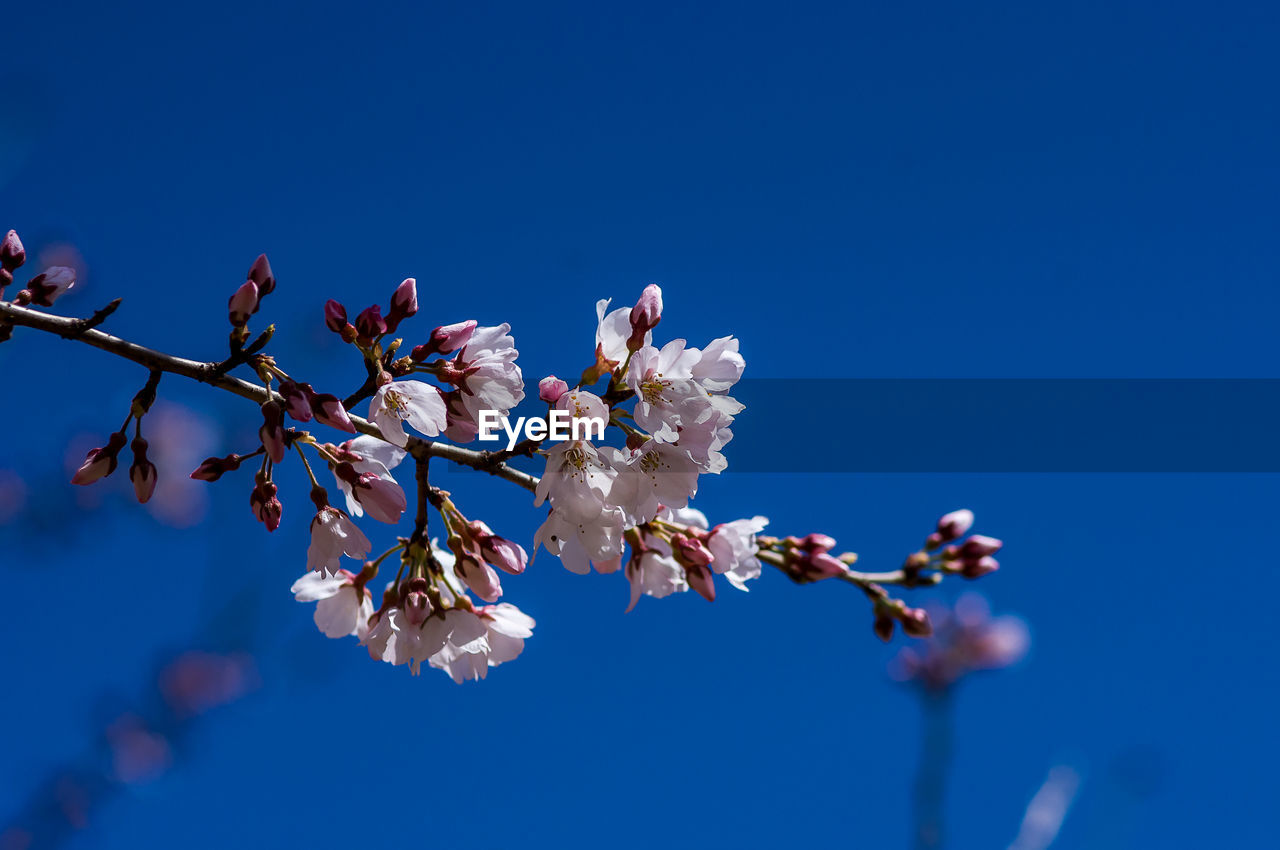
pixel 415 402
pixel 341 609
pixel 333 535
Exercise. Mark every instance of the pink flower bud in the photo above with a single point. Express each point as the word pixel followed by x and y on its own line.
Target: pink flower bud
pixel 266 507
pixel 370 324
pixel 328 410
pixel 702 580
pixel 296 400
pixel 445 339
pixel 243 304
pixel 479 577
pixel 335 316
pixel 883 627
pixel 804 567
pixel 49 285
pixel 382 499
pixel 915 622
pixel 551 388
pixel 214 468
pixel 260 274
pixel 978 567
pixel 143 472
pixel 404 303
pixel 978 546
pixel 504 554
pixel 101 462
pixel 12 254
pixel 689 550
pixel 272 431
pixel 645 316
pixel 954 525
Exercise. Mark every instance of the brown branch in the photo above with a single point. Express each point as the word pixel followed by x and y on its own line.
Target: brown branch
pixel 82 330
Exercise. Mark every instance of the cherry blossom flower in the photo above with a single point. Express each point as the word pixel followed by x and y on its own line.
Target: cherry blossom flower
pixel 655 574
pixel 662 380
pixel 342 608
pixel 719 366
pixel 487 378
pixel 333 535
pixel 612 332
pixel 506 628
pixel 366 454
pixel 733 546
pixel 653 475
pixel 419 404
pixel 581 544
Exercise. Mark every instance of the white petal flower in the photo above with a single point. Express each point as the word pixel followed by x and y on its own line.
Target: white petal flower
pixel 341 610
pixel 733 545
pixel 419 404
pixel 333 535
pixel 655 574
pixel 613 330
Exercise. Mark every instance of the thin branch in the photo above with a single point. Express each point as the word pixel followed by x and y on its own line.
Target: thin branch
pixel 82 330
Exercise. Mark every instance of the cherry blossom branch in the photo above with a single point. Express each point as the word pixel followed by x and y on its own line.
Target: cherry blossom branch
pixel 214 374
pixel 670 409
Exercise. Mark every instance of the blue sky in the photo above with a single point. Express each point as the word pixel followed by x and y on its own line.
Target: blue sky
pixel 925 191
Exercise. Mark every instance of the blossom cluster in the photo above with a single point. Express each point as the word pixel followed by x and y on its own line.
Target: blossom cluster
pixel 617 501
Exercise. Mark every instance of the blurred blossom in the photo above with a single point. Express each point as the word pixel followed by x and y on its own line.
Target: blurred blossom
pixel 179 439
pixel 199 681
pixel 137 753
pixel 966 639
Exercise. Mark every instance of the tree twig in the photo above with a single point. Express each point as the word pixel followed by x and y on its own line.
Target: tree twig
pixel 83 330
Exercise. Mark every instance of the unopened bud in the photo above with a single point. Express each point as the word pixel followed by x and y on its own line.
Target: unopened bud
pixel 404 303
pixel 243 304
pixel 12 254
pixel 883 627
pixel 915 622
pixel 49 285
pixel 978 546
pixel 370 324
pixel 445 339
pixel 702 580
pixel 214 468
pixel 143 472
pixel 645 316
pixel 954 525
pixel 551 388
pixel 978 567
pixel 100 462
pixel 260 274
pixel 272 431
